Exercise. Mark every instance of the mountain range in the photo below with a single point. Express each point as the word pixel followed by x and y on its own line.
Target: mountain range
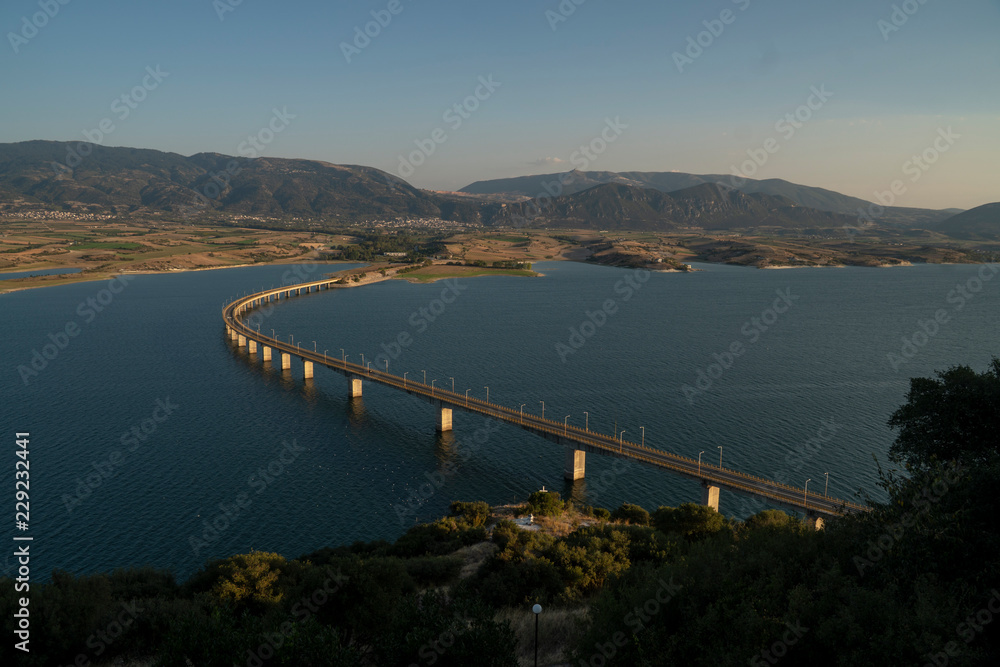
pixel 92 178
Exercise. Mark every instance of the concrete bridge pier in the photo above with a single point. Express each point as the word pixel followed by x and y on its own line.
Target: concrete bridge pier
pixel 242 340
pixel 354 387
pixel 710 496
pixel 232 334
pixel 444 420
pixel 576 464
pixel 252 346
pixel 286 361
pixel 307 369
pixel 265 353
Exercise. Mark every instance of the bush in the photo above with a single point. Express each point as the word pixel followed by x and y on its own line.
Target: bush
pixel 692 521
pixel 632 514
pixel 474 514
pixel 602 514
pixel 546 503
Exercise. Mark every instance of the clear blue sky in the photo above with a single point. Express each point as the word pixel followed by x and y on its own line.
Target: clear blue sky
pixel 892 91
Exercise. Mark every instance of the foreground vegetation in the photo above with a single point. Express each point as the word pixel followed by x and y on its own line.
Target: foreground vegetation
pixel 913 581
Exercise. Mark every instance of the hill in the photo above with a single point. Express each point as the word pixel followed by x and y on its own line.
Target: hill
pixel 982 222
pixel 616 206
pixel 137 181
pixel 670 181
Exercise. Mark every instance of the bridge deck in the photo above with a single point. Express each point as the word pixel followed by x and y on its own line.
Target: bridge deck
pixel 571 436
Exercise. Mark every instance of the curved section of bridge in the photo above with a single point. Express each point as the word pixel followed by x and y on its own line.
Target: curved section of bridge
pixel 577 441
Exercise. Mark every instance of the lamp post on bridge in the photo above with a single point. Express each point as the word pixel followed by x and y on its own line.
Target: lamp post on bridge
pixel 273 335
pixel 387 366
pixel 565 424
pixel 404 379
pixel 362 359
pixel 487 395
pixel 720 457
pixel 467 397
pixel 522 412
pixel 621 443
pixel 586 423
pixel 314 346
pixel 369 368
pixel 325 360
pixel 452 385
pixel 643 429
pixel 699 461
pixel 805 496
pixel 343 357
pixel 425 376
pixel 432 386
pixel 826 487
pixel 543 408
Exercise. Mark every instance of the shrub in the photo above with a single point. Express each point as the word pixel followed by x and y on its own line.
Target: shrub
pixel 546 503
pixel 632 514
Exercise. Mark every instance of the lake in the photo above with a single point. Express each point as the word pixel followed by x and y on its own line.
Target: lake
pixel 155 441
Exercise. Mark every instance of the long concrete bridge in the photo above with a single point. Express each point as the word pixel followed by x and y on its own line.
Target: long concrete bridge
pixel 576 441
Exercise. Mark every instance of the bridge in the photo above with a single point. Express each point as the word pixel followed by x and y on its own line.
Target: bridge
pixel 576 441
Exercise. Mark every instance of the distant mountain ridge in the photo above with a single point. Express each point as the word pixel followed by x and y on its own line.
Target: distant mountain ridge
pixel 709 206
pixel 669 181
pixel 50 175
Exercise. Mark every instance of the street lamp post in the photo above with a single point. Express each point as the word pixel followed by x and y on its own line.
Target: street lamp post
pixel 467 397
pixel 699 461
pixel 522 412
pixel 586 423
pixel 404 378
pixel 826 486
pixel 537 609
pixel 543 408
pixel 324 356
pixel 314 346
pixel 343 357
pixel 452 385
pixel 362 359
pixel 425 376
pixel 720 457
pixel 643 429
pixel 805 495
pixel 386 365
pixel 487 395
pixel 620 441
pixel 565 424
pixel 432 386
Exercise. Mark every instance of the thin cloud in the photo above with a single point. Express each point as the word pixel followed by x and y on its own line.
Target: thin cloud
pixel 547 161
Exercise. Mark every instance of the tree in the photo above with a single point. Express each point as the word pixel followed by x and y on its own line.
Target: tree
pixel 955 417
pixel 546 503
pixel 632 514
pixel 689 520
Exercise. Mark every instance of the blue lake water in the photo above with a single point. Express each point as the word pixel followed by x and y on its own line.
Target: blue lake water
pixel 316 469
pixel 37 272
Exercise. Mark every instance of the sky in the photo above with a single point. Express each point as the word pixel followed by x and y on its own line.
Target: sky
pixel 880 94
